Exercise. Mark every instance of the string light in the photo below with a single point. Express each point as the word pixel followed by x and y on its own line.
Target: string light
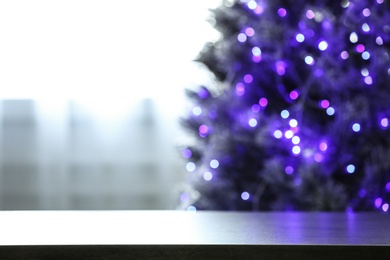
pixel 214 164
pixel 207 176
pixel 350 168
pixel 289 170
pixel 278 134
pixel 285 114
pixel 190 166
pixel 245 195
pixel 197 111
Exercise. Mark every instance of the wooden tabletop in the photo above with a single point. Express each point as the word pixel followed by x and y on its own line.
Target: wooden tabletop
pixel 193 234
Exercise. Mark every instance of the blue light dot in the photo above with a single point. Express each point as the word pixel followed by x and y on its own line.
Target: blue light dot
pixel 356 127
pixel 296 150
pixel 309 60
pixel 366 55
pixel 285 114
pixel 289 134
pixel 364 72
pixel 252 122
pixel 323 45
pixel 214 164
pixel 293 123
pixel 191 209
pixel 330 111
pixel 278 134
pixel 207 176
pixel 300 37
pixel 245 195
pixel 252 5
pixel 190 166
pixel 296 140
pixel 350 168
pixel 197 111
pixel 256 51
pixel 365 27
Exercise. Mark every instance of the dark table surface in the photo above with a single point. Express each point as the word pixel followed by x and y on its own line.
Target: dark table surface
pixel 137 232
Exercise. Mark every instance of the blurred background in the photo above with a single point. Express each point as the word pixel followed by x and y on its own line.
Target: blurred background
pixel 90 97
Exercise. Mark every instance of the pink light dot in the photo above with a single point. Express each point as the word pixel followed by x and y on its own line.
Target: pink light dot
pixel 344 55
pixel 240 89
pixel 325 103
pixel 385 207
pixel 310 14
pixel 360 48
pixel 263 102
pixel 323 146
pixel 379 1
pixel 259 10
pixel 281 68
pixel 385 122
pixel 249 31
pixel 248 78
pixel 203 129
pixel 282 12
pixel 318 157
pixel 256 59
pixel 368 80
pixel 294 94
pixel 366 12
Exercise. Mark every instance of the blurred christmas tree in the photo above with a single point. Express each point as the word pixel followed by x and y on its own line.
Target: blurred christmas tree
pixel 299 116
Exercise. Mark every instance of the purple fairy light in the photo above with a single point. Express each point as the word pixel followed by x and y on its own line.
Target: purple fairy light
pixel 282 12
pixel 378 202
pixel 186 153
pixel 248 78
pixel 281 68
